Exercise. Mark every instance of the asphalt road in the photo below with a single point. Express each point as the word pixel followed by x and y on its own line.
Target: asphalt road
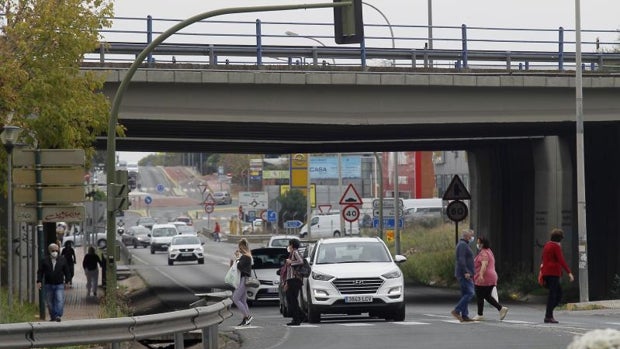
pixel 428 322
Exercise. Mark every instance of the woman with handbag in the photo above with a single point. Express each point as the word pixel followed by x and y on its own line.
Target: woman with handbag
pixel 293 283
pixel 243 258
pixel 551 269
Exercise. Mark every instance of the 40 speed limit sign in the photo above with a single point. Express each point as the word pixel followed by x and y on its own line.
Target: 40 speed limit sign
pixel 457 211
pixel 350 213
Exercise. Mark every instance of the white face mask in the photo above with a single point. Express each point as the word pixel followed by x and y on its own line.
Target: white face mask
pixel 54 254
pixel 471 239
pixel 478 246
pixel 289 249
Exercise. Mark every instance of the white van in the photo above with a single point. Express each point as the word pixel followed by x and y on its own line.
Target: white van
pixel 424 211
pixel 328 225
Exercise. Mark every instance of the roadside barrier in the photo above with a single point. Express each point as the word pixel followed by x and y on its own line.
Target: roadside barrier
pixel 114 331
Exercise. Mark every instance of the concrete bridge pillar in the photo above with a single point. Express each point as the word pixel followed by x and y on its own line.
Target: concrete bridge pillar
pixel 554 196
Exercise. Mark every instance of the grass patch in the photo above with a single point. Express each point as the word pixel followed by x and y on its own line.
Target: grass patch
pixel 16 312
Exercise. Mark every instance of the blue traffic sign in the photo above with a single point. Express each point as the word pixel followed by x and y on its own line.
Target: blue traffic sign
pixel 160 188
pixel 272 216
pixel 388 223
pixel 293 224
pixel 148 200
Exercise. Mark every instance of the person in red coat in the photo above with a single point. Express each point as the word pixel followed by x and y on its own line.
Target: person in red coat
pixel 552 264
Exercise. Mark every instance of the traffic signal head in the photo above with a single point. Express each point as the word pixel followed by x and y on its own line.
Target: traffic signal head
pixel 348 23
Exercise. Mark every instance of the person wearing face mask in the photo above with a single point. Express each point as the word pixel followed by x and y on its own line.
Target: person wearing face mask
pixel 464 272
pixel 293 283
pixel 52 277
pixel 552 264
pixel 485 279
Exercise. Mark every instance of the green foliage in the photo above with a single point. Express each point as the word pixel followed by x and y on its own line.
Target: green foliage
pixel 41 86
pixel 614 290
pixel 16 312
pixel 430 255
pixel 294 205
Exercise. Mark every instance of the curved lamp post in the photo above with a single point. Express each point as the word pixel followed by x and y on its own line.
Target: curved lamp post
pixel 9 139
pixel 290 33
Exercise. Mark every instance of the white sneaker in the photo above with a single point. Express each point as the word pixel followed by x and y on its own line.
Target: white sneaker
pixel 502 313
pixel 478 318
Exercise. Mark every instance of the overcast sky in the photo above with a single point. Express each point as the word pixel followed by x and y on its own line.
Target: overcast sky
pixel 539 14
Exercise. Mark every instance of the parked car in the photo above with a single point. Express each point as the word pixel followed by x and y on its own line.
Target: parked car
pixel 161 236
pixel 328 225
pixel 136 236
pixel 222 198
pixel 267 261
pixel 352 276
pixel 185 248
pixel 78 238
pixel 280 240
pixel 146 222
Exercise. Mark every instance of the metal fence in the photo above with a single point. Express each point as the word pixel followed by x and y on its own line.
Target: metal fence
pixel 264 43
pixel 115 331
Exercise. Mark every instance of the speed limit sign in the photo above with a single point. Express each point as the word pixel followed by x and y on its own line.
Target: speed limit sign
pixel 457 211
pixel 350 213
pixel 209 208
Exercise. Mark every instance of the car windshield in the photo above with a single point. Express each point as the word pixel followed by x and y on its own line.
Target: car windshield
pixel 269 258
pixel 186 240
pixel 186 230
pixel 351 252
pixel 146 220
pixel 159 232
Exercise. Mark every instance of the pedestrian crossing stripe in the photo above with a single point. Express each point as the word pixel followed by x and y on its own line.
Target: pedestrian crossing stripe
pixel 359 324
pixel 408 323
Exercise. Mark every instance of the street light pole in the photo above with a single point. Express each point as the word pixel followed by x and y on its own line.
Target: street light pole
pixel 290 33
pixel 9 138
pixel 581 183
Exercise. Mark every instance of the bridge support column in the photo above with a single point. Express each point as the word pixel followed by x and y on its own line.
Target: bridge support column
pixel 554 195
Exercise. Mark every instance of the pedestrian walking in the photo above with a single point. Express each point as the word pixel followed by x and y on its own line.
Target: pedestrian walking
pixel 52 278
pixel 293 283
pixel 485 279
pixel 243 258
pixel 552 264
pixel 464 272
pixel 217 232
pixel 69 253
pixel 91 263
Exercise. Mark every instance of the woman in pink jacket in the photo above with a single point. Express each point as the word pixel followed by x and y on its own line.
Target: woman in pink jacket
pixel 485 279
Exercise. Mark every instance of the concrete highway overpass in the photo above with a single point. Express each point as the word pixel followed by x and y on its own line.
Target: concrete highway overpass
pixel 518 130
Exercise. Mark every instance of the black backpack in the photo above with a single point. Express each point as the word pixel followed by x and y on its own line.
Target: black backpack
pixel 303 270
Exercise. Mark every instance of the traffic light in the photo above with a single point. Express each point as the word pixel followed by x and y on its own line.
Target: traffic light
pixel 121 190
pixel 348 23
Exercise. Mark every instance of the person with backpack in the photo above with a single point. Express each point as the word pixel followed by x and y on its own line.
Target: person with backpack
pixel 293 283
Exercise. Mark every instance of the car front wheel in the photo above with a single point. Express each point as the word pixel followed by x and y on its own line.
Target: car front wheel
pixel 314 316
pixel 398 314
pixel 170 261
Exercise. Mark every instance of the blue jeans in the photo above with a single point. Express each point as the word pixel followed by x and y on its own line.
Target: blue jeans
pixel 55 298
pixel 467 293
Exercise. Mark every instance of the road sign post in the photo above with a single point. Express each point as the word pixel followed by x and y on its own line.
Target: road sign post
pixel 456 210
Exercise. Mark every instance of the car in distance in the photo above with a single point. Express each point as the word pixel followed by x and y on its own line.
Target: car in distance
pixel 136 236
pixel 352 276
pixel 146 222
pixel 281 240
pixel 185 248
pixel 185 219
pixel 186 230
pixel 222 198
pixel 267 262
pixel 161 236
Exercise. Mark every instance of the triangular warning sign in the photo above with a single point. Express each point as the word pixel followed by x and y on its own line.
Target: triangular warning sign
pixel 350 196
pixel 209 200
pixel 456 190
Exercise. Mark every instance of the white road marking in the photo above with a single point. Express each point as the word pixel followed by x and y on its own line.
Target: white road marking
pixel 407 323
pixel 359 324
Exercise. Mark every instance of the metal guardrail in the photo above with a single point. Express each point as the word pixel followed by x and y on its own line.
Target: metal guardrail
pixel 118 330
pixel 263 43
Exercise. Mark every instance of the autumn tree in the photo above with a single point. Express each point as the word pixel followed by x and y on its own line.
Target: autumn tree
pixel 42 90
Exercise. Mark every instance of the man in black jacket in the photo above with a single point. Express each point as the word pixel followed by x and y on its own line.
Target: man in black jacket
pixel 54 273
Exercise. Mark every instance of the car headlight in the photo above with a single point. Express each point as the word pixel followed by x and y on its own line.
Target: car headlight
pixel 199 249
pixel 172 250
pixel 321 277
pixel 392 275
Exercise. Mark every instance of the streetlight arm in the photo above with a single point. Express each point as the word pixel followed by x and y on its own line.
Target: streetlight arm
pixel 387 20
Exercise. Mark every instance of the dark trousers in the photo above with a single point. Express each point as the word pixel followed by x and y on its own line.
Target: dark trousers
pixel 483 293
pixel 292 293
pixel 555 294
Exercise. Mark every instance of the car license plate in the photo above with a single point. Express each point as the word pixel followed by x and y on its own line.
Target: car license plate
pixel 186 254
pixel 358 299
pixel 272 290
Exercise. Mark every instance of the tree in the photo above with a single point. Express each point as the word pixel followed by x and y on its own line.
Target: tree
pixel 42 45
pixel 293 207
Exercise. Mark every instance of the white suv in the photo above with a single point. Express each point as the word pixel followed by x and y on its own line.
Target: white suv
pixel 161 235
pixel 352 276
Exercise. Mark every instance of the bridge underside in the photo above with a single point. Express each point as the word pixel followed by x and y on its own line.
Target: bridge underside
pixel 520 143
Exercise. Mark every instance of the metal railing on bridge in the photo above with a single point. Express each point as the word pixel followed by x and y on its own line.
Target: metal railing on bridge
pixel 261 43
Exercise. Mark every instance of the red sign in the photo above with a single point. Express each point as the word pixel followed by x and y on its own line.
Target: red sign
pixel 351 213
pixel 209 208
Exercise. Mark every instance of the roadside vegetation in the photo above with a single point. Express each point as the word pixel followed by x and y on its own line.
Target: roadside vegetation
pixel 430 261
